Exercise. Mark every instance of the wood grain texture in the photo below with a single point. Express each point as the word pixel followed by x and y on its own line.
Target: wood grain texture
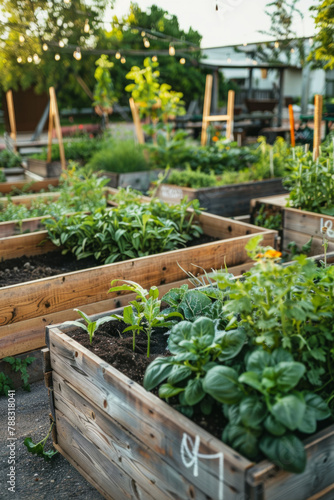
pixel 279 201
pixel 28 199
pixel 145 416
pixel 146 468
pixel 36 186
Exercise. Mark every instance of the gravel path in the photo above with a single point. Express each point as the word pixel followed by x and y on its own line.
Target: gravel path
pixel 35 478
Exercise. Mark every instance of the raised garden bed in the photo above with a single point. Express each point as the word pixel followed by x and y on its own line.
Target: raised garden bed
pixel 137 180
pixel 230 200
pixel 14 174
pixel 44 168
pixel 34 186
pixel 27 308
pixel 298 225
pixel 129 443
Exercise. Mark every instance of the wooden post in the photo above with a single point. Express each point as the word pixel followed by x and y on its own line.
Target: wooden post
pixel 136 121
pixel 230 113
pixel 292 126
pixel 317 125
pixel 55 115
pixel 50 132
pixel 11 114
pixel 206 108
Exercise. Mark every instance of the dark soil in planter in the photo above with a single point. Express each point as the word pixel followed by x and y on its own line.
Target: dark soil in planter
pixel 116 349
pixel 32 268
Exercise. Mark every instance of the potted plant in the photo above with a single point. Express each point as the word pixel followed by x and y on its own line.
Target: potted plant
pixel 244 352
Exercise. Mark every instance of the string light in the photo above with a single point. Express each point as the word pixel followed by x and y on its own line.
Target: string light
pixel 45 47
pixel 61 43
pixel 310 41
pixel 154 59
pixel 86 27
pixel 171 50
pixel 19 59
pixel 57 57
pixel 21 38
pixel 143 33
pixel 29 59
pixel 146 43
pixel 229 60
pixel 77 54
pixel 36 59
pixel 254 62
pixel 123 60
pixel 118 55
pixel 182 60
pixel 67 1
pixel 292 51
pixel 276 45
pixel 245 44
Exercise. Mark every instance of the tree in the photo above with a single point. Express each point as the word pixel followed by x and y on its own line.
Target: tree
pixel 323 50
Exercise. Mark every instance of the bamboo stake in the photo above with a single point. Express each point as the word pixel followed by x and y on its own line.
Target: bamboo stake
pixel 206 108
pixel 317 125
pixel 136 121
pixel 11 115
pixel 56 118
pixel 292 126
pixel 230 113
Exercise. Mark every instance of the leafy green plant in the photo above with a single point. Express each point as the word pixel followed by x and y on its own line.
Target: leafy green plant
pixel 20 365
pixel 191 178
pixel 104 93
pixel 126 232
pixel 2 175
pixel 39 448
pixel 76 149
pixel 268 218
pixel 91 326
pixel 120 156
pixel 9 159
pixel 6 384
pixel 143 314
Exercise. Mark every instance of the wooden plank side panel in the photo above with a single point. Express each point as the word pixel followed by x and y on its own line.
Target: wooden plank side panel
pixel 13 247
pixel 279 201
pixel 318 475
pixel 107 474
pixel 35 186
pixel 13 228
pixel 28 199
pixel 119 446
pixel 54 294
pixel 145 416
pixel 308 222
pixel 301 238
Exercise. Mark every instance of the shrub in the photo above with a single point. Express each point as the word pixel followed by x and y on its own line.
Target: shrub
pixel 121 156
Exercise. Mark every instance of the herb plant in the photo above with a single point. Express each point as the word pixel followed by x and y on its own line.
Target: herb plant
pixel 6 384
pixel 9 159
pixel 191 178
pixel 91 326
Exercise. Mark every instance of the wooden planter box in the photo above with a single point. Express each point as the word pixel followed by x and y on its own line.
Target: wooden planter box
pixel 230 200
pixel 137 180
pixel 130 444
pixel 25 309
pixel 44 168
pixel 299 225
pixel 35 186
pixel 14 174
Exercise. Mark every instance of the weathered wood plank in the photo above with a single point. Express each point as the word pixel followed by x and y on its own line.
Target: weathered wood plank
pixel 35 186
pixel 137 459
pixel 308 222
pixel 279 201
pixel 318 475
pixel 228 200
pixel 13 247
pixel 301 238
pixel 106 473
pixel 27 199
pixel 65 291
pixel 144 415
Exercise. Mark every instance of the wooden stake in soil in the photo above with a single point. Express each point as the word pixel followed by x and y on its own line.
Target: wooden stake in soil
pixel 54 116
pixel 317 125
pixel 11 114
pixel 136 121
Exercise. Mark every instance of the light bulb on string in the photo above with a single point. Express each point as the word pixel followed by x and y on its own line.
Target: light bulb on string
pixel 29 59
pixel 57 57
pixel 45 47
pixel 77 54
pixel 19 59
pixel 86 27
pixel 118 55
pixel 61 44
pixel 182 60
pixel 36 59
pixel 292 50
pixel 143 33
pixel 67 1
pixel 171 50
pixel 123 60
pixel 154 59
pixel 21 38
pixel 245 44
pixel 254 62
pixel 146 43
pixel 276 45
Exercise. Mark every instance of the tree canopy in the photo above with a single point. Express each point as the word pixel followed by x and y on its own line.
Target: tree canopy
pixel 323 48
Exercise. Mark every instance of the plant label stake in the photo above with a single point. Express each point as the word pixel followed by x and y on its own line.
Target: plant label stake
pixel 317 125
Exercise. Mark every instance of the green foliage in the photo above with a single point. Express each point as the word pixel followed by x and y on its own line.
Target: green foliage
pixel 20 365
pixel 191 178
pixel 91 326
pixel 2 175
pixel 143 314
pixel 145 89
pixel 6 384
pixel 104 93
pixel 311 183
pixel 81 149
pixel 38 449
pixel 268 219
pixel 9 159
pixel 126 232
pixel 80 190
pixel 322 51
pixel 120 156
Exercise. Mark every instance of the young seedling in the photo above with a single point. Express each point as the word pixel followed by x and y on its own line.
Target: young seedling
pixel 144 313
pixel 91 326
pixel 38 448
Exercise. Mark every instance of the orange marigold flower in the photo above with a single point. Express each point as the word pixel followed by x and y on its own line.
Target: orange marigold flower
pixel 272 254
pixel 260 256
pixel 215 138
